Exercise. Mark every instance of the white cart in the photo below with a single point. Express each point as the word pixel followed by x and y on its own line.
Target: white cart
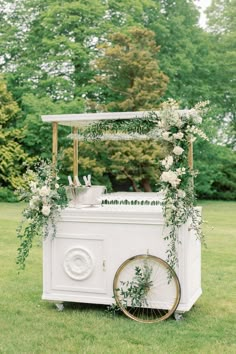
pixel 118 250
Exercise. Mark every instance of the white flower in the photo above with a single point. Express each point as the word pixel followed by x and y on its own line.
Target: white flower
pixel 170 177
pixel 34 202
pixel 161 124
pixel 165 136
pixel 33 186
pixel 44 191
pixel 181 193
pixel 178 150
pixel 179 135
pixel 46 210
pixel 181 171
pixel 197 119
pixel 56 185
pixel 31 204
pixel 167 162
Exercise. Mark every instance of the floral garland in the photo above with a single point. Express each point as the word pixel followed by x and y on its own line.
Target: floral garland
pixel 179 129
pixel 45 199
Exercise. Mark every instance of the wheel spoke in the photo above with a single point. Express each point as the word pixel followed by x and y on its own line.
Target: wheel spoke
pixel 146 294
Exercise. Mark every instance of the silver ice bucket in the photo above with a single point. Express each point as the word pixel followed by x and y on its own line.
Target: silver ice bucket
pixel 79 196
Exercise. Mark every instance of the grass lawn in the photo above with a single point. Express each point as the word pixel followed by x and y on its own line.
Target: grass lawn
pixel 30 325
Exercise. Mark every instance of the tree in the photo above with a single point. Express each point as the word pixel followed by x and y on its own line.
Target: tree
pixel 12 155
pixel 184 51
pixel 217 171
pixel 129 77
pixel 50 52
pixel 222 27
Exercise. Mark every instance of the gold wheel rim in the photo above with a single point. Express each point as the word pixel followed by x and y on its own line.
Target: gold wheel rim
pixel 167 268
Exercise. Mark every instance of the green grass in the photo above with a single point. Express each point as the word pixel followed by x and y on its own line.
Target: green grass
pixel 30 325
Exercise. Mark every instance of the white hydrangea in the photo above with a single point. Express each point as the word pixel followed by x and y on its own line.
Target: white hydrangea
pixel 178 150
pixel 46 210
pixel 44 191
pixel 170 177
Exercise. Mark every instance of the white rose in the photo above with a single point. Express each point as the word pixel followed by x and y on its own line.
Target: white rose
pixel 44 191
pixel 165 136
pixel 170 177
pixel 178 150
pixel 179 135
pixel 181 193
pixel 167 162
pixel 46 210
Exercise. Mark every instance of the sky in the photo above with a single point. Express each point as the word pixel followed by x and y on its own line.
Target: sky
pixel 203 4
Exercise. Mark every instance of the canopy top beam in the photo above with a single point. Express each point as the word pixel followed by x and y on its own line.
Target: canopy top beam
pixel 84 119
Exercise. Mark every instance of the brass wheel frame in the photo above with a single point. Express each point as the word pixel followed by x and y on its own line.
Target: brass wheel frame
pixel 171 278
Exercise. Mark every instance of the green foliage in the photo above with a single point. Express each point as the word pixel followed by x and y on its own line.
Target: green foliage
pixel 217 172
pixel 133 292
pixel 93 159
pixel 7 195
pixel 136 162
pixel 52 53
pixel 129 78
pixel 222 28
pixel 37 135
pixel 46 199
pixel 183 51
pixel 12 155
pixel 48 50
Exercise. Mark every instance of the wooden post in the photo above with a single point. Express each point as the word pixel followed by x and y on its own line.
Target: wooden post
pixel 75 153
pixel 190 155
pixel 54 142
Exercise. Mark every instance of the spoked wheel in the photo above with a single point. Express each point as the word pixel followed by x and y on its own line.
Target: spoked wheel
pixel 146 289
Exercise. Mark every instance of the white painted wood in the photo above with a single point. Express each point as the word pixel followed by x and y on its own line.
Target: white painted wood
pixel 83 119
pixel 100 239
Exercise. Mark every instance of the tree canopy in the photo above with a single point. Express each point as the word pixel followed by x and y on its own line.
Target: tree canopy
pixel 12 154
pixel 72 56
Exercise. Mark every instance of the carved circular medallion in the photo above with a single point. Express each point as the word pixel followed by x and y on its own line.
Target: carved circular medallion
pixel 78 263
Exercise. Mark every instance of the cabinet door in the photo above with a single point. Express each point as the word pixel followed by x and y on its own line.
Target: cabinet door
pixel 77 263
